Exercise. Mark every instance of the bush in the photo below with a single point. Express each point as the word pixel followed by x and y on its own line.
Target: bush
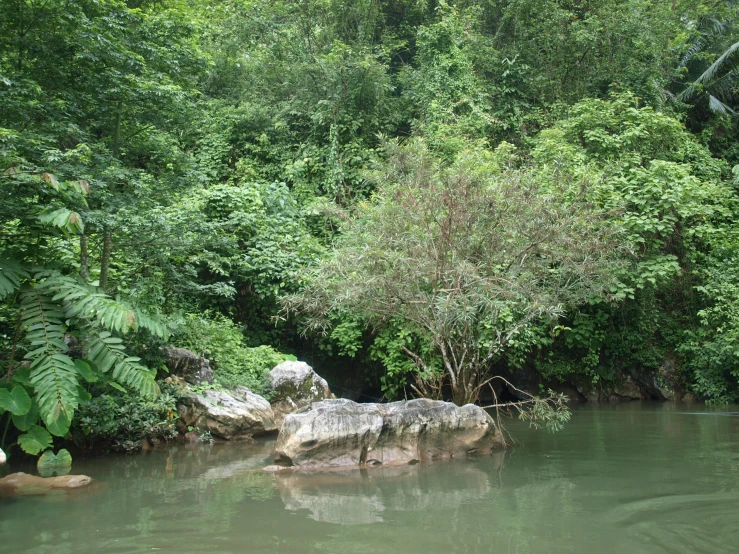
pixel 123 420
pixel 221 341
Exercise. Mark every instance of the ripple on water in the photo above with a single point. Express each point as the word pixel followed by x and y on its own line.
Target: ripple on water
pixel 693 523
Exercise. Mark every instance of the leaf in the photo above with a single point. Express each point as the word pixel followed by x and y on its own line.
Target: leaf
pixel 50 179
pixel 107 353
pixel 60 426
pixel 23 376
pixel 11 275
pixel 50 463
pixel 36 440
pixel 64 219
pixel 83 394
pixel 53 374
pixel 116 386
pixel 85 370
pixel 17 401
pixel 26 421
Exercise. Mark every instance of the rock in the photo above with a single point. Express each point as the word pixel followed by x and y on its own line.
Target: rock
pixel 295 385
pixel 236 414
pixel 3 457
pixel 336 433
pixel 627 390
pixel 17 484
pixel 192 368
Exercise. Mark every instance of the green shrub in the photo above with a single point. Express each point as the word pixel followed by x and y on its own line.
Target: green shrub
pixel 123 420
pixel 221 341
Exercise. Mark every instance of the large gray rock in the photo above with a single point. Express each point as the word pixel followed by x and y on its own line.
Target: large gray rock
pixel 236 414
pixel 295 385
pixel 336 433
pixel 192 368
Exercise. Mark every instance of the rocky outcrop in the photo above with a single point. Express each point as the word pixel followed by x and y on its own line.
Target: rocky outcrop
pixel 17 484
pixel 192 368
pixel 236 414
pixel 295 385
pixel 336 433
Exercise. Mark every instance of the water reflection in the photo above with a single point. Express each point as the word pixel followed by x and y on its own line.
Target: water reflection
pixel 354 497
pixel 617 480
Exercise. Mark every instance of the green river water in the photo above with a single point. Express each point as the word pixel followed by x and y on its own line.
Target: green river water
pixel 625 479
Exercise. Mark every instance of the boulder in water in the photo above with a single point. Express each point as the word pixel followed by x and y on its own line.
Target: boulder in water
pixel 295 385
pixel 335 433
pixel 236 414
pixel 17 484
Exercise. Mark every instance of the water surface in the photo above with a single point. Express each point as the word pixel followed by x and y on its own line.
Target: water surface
pixel 626 479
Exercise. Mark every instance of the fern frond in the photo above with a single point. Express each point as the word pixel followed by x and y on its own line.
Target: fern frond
pixel 80 300
pixel 11 275
pixel 53 373
pixel 106 352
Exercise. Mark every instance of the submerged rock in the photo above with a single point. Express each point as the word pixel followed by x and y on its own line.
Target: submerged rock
pixel 192 368
pixel 17 484
pixel 295 385
pixel 236 414
pixel 340 432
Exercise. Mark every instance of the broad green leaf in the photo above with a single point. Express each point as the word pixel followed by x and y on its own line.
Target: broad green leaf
pixel 23 376
pixel 17 401
pixel 83 394
pixel 26 421
pixel 116 386
pixel 50 463
pixel 60 426
pixel 85 370
pixel 36 440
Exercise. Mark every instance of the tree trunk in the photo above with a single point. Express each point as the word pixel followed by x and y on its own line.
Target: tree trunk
pixel 84 258
pixel 117 130
pixel 17 336
pixel 105 259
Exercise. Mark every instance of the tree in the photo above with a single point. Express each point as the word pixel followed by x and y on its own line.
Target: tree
pixel 467 254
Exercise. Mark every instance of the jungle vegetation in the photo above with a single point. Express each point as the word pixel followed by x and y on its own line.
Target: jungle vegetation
pixel 414 196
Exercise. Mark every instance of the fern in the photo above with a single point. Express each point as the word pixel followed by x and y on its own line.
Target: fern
pixel 106 352
pixel 84 301
pixel 53 373
pixel 11 276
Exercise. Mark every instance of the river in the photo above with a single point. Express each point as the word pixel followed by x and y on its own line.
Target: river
pixel 632 478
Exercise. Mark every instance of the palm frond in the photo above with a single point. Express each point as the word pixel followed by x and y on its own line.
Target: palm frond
pixel 106 352
pixel 710 73
pixel 719 107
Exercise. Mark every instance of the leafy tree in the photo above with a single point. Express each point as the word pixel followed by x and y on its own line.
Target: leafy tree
pixel 467 255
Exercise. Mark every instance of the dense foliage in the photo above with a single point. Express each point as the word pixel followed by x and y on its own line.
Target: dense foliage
pixel 172 172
